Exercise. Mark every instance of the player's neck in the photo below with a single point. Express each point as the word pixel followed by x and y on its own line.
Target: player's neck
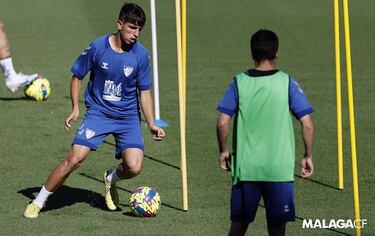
pixel 265 65
pixel 117 44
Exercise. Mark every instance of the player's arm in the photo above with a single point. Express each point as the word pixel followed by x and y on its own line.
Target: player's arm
pixel 307 127
pixel 227 107
pixel 301 109
pixel 147 108
pixel 75 87
pixel 222 132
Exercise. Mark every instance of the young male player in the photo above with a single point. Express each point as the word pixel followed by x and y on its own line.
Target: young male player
pixel 120 70
pixel 262 164
pixel 13 80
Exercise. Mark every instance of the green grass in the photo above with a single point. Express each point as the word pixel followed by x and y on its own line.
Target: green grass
pixel 47 36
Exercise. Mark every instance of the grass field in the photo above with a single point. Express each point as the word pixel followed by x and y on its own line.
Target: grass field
pixel 47 36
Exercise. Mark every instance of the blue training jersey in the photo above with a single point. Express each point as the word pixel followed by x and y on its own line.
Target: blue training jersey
pixel 115 77
pixel 298 103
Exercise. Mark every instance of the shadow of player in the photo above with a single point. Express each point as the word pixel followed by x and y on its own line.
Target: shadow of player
pixel 67 196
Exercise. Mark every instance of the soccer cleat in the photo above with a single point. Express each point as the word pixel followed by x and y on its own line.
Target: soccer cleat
pixel 32 211
pixel 111 194
pixel 18 80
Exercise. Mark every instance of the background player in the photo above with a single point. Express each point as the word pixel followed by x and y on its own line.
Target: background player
pixel 263 158
pixel 13 80
pixel 120 69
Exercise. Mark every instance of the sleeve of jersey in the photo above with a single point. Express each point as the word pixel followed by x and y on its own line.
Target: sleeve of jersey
pixel 144 78
pixel 229 102
pixel 84 62
pixel 298 103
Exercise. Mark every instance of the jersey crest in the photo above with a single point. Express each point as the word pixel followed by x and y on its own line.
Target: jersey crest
pixel 128 70
pixel 89 133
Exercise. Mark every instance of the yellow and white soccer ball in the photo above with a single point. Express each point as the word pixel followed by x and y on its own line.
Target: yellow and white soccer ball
pixel 39 89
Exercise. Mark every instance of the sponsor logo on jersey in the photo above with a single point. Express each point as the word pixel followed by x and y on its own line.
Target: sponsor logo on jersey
pixel 89 133
pixel 128 70
pixel 112 91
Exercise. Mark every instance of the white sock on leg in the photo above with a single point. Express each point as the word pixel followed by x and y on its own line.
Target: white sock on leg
pixel 7 66
pixel 112 177
pixel 42 197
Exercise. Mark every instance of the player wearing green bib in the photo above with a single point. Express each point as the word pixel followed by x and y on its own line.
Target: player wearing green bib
pixel 264 146
pixel 262 164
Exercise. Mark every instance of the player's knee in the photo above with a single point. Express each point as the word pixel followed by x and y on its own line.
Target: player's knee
pixel 73 161
pixel 133 168
pixel 136 169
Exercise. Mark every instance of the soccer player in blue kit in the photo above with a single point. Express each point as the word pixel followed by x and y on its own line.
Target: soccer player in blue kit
pixel 120 71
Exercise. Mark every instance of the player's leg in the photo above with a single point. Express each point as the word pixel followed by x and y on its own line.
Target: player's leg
pixel 4 43
pixel 276 228
pixel 57 177
pixel 73 160
pixel 131 166
pixel 238 228
pixel 279 202
pixel 13 80
pixel 132 161
pixel 129 147
pixel 89 136
pixel 244 202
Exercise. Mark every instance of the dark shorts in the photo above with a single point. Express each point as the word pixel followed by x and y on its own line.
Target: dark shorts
pixel 95 128
pixel 278 198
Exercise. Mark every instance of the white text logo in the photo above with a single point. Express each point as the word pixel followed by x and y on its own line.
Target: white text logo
pixel 333 224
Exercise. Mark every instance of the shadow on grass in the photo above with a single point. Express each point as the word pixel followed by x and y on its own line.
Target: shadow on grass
pixel 128 191
pixel 150 158
pixel 67 196
pixel 15 99
pixel 337 232
pixel 318 182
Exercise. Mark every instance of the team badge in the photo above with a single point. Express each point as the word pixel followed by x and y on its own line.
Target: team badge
pixel 128 70
pixel 89 133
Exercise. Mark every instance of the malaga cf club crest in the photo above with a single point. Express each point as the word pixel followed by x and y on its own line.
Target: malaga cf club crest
pixel 128 70
pixel 89 133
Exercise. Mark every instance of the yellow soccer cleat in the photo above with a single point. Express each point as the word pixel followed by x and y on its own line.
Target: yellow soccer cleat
pixel 32 211
pixel 111 194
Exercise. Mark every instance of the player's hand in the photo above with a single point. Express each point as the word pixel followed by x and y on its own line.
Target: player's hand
pixel 224 160
pixel 307 167
pixel 73 116
pixel 157 132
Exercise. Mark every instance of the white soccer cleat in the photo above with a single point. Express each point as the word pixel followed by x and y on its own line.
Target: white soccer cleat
pixel 18 80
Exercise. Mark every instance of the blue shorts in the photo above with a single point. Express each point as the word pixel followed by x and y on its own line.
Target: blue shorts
pixel 278 198
pixel 95 127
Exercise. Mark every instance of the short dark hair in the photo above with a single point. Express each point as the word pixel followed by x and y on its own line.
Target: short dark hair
pixel 132 13
pixel 264 45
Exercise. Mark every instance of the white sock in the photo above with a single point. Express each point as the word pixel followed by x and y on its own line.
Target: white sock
pixel 7 66
pixel 112 177
pixel 42 197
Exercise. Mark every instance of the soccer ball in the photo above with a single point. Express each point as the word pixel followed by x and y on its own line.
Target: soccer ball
pixel 39 89
pixel 145 201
